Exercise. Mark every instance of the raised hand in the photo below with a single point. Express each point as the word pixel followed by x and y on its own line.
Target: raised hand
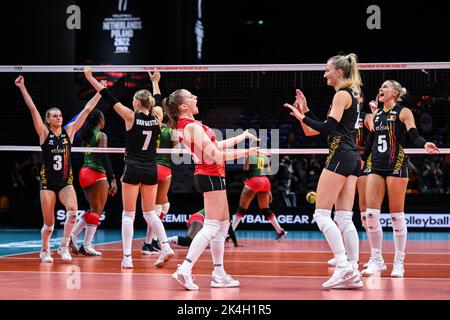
pixel 87 72
pixel 155 76
pixel 300 101
pixel 20 82
pixel 373 105
pixel 295 112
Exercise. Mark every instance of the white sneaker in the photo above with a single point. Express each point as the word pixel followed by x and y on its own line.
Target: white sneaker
pixel 164 257
pixel 185 279
pixel 127 262
pixel 365 265
pixel 356 283
pixel 89 250
pixel 225 281
pixel 46 256
pixel 332 262
pixel 374 266
pixel 64 252
pixel 343 274
pixel 398 270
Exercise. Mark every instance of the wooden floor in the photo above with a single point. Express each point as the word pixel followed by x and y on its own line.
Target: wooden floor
pixel 290 270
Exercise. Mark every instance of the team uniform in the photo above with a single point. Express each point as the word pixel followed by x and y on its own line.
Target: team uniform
pixel 208 176
pixel 140 153
pixel 164 161
pixel 361 140
pixel 388 156
pixel 257 174
pixel 343 157
pixel 93 169
pixel 56 170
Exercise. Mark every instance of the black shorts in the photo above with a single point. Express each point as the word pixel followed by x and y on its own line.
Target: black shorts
pixel 135 175
pixel 402 173
pixel 345 167
pixel 55 187
pixel 203 183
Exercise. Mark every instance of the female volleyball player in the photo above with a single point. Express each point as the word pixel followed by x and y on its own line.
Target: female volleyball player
pixel 389 172
pixel 209 179
pixel 337 182
pixel 194 225
pixel 365 125
pixel 56 171
pixel 97 180
pixel 256 169
pixel 164 161
pixel 140 173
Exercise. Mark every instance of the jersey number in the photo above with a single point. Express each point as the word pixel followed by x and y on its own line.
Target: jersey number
pixel 148 137
pixel 58 163
pixel 382 143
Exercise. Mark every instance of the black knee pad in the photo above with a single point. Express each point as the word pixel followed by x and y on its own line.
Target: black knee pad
pixel 267 212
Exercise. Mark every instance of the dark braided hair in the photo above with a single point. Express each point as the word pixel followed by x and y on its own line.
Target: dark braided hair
pixel 92 121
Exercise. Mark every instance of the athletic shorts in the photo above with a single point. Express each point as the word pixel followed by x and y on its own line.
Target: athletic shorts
pixel 55 187
pixel 89 176
pixel 134 175
pixel 258 184
pixel 195 217
pixel 402 173
pixel 204 183
pixel 163 172
pixel 345 168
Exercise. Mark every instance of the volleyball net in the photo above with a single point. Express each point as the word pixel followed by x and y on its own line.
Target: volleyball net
pixel 230 98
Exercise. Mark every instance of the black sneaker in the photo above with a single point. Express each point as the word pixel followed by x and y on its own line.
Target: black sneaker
pixel 155 244
pixel 147 248
pixel 281 236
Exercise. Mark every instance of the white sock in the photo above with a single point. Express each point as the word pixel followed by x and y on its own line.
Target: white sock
pixel 69 225
pixel 127 231
pixel 89 234
pixel 349 234
pixel 199 244
pixel 366 228
pixel 81 224
pixel 375 232
pixel 46 234
pixel 331 233
pixel 400 234
pixel 155 222
pixel 218 248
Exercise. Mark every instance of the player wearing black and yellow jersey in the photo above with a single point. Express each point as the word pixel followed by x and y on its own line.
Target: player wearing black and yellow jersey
pixel 389 173
pixel 56 172
pixel 142 126
pixel 337 182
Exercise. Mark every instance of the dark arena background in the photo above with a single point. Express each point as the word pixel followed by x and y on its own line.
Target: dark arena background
pixel 244 60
